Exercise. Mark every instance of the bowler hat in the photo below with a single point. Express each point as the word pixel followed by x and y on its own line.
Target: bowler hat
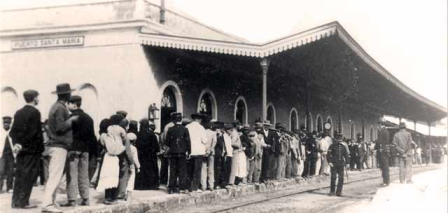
pixel 196 116
pixel 63 89
pixel 218 125
pixel 228 126
pixel 280 126
pixel 30 94
pixel 123 113
pixel 402 125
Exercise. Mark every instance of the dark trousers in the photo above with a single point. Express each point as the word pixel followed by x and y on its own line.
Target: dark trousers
pixel 355 161
pixel 93 163
pixel 220 167
pixel 384 163
pixel 123 176
pixel 26 173
pixel 195 172
pixel 337 172
pixel 309 167
pixel 227 169
pixel 111 194
pixel 164 170
pixel 266 166
pixel 178 170
pixel 6 172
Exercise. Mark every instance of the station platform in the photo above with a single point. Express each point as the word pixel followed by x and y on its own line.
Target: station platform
pixel 152 201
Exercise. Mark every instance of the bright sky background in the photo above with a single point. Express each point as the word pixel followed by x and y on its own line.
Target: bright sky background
pixel 408 37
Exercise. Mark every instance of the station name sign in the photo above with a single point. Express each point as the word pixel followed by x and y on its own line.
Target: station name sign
pixel 47 42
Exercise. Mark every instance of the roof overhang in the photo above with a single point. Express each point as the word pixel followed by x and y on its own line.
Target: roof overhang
pixel 281 45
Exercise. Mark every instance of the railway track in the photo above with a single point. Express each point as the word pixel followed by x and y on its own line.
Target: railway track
pixel 299 192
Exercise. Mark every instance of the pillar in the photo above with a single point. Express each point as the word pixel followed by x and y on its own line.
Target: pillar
pixel 264 62
pixel 429 142
pixel 415 126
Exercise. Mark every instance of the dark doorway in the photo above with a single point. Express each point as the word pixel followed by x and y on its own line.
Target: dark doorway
pixel 240 114
pixel 167 107
pixel 205 105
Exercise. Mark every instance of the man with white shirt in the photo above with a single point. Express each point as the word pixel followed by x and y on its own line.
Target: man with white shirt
pixel 198 139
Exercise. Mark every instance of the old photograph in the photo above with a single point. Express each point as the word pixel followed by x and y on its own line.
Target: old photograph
pixel 231 106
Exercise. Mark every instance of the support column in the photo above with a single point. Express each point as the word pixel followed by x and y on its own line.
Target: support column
pixel 429 142
pixel 415 126
pixel 264 62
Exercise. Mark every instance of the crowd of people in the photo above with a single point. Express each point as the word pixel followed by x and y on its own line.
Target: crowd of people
pixel 189 156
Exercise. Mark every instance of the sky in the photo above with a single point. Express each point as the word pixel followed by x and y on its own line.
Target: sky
pixel 407 37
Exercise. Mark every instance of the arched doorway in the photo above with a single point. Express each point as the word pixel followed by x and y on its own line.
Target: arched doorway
pixel 9 102
pixel 270 114
pixel 330 121
pixel 241 110
pixel 207 104
pixel 168 105
pixel 309 122
pixel 90 102
pixel 319 124
pixel 352 130
pixel 293 120
pixel 371 133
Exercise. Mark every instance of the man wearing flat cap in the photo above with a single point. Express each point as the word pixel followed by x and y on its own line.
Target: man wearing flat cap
pixel 383 147
pixel 403 144
pixel 78 154
pixel 60 140
pixel 26 133
pixel 6 156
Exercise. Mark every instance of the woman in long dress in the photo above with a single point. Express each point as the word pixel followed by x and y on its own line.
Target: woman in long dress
pixel 148 147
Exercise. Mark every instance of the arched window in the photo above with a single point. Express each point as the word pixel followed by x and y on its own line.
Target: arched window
pixel 9 101
pixel 207 104
pixel 241 110
pixel 352 130
pixel 330 121
pixel 319 124
pixel 371 133
pixel 270 114
pixel 89 95
pixel 170 101
pixel 293 119
pixel 309 122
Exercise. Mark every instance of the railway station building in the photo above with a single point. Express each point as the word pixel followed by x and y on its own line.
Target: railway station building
pixel 133 54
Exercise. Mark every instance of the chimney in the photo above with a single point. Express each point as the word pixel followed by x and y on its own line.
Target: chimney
pixel 162 12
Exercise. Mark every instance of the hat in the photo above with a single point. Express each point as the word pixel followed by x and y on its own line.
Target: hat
pixel 123 113
pixel 30 94
pixel 75 98
pixel 236 123
pixel 402 125
pixel 218 125
pixel 314 133
pixel 302 127
pixel 280 126
pixel 131 136
pixel 338 135
pixel 63 89
pixel 252 133
pixel 246 126
pixel 7 119
pixel 186 121
pixel 267 123
pixel 195 116
pixel 258 124
pixel 228 126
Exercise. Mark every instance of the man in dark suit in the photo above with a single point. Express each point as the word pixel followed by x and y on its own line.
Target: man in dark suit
pixel 338 158
pixel 78 154
pixel 382 145
pixel 268 167
pixel 26 133
pixel 6 157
